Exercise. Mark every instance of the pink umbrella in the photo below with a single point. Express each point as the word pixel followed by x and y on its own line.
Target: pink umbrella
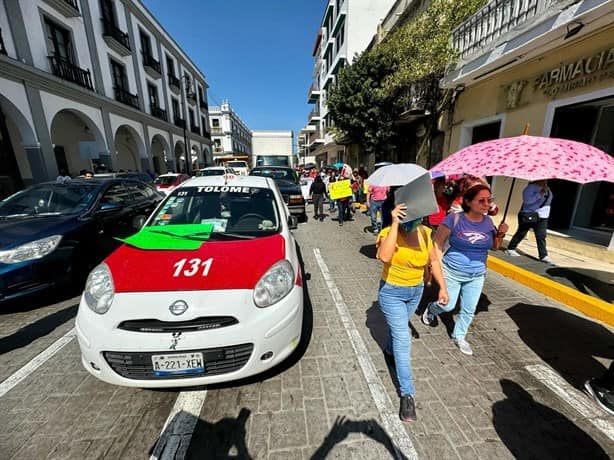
pixel 531 158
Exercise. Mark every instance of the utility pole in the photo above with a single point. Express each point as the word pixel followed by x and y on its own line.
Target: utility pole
pixel 185 80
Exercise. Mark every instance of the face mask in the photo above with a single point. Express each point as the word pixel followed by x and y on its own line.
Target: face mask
pixel 411 225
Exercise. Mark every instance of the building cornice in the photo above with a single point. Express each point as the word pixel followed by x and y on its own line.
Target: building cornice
pixel 20 73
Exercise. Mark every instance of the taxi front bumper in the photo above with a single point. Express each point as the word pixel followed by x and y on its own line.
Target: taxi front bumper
pixel 115 350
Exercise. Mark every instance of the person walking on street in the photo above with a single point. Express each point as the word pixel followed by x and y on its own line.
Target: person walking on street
pixel 536 200
pixel 470 235
pixel 331 179
pixel 375 199
pixel 317 191
pixel 443 204
pixel 406 249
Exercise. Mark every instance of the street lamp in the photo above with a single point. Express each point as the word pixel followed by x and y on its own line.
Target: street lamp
pixel 185 81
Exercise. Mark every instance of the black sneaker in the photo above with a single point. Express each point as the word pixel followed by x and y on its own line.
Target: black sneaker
pixel 428 318
pixel 603 397
pixel 407 409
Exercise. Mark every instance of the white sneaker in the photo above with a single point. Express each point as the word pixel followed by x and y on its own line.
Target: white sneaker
pixel 463 346
pixel 512 252
pixel 547 260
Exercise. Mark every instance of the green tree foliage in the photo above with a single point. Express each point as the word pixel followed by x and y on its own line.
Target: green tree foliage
pixel 371 93
pixel 362 110
pixel 422 46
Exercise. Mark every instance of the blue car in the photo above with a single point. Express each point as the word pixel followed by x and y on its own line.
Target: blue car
pixel 52 234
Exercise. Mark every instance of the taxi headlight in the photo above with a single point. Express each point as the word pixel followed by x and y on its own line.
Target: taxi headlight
pixel 274 285
pixel 30 251
pixel 99 289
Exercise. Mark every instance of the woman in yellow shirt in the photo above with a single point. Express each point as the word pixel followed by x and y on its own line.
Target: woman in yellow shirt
pixel 406 249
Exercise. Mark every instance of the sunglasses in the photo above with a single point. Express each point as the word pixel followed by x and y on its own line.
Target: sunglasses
pixel 485 200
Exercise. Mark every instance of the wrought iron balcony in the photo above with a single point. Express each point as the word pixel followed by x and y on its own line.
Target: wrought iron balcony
pixel 195 129
pixel 116 38
pixel 159 113
pixel 314 117
pixel 180 122
pixel 493 20
pixel 126 97
pixel 152 67
pixel 313 95
pixel 218 149
pixel 2 48
pixel 173 82
pixel 217 130
pixel 66 70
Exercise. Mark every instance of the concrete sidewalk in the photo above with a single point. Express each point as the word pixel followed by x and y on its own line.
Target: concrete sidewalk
pixel 579 280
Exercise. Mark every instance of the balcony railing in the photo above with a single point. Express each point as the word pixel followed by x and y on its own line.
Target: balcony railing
pixel 126 97
pixel 2 48
pixel 66 70
pixel 217 130
pixel 195 129
pixel 150 64
pixel 180 122
pixel 111 31
pixel 493 20
pixel 159 113
pixel 218 149
pixel 73 3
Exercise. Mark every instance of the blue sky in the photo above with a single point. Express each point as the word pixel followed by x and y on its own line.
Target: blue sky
pixel 255 53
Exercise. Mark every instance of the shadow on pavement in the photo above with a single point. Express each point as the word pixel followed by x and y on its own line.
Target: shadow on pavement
pixel 568 343
pixel 532 430
pixel 40 299
pixel 591 282
pixel 39 328
pixel 343 427
pixel 225 439
pixel 369 251
pixel 301 349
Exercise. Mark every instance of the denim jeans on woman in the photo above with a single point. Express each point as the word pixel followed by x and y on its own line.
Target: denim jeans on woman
pixel 398 304
pixel 469 287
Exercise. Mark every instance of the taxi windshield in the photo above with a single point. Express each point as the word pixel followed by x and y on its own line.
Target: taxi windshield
pixel 231 210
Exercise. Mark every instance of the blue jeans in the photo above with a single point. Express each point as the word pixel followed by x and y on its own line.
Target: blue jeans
pixel 374 206
pixel 398 304
pixel 469 287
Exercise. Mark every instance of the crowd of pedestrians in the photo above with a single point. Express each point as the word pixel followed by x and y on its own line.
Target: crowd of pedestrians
pixel 451 246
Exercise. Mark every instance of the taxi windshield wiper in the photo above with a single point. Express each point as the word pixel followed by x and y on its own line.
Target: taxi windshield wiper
pixel 230 236
pixel 201 236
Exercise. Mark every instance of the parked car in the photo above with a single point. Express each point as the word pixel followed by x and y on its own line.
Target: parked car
pixel 166 183
pixel 288 184
pixel 210 290
pixel 54 233
pixel 138 175
pixel 215 171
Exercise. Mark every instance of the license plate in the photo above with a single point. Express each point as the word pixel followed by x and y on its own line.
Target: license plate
pixel 178 364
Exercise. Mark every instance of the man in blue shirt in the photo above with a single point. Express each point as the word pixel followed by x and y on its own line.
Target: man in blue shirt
pixel 536 198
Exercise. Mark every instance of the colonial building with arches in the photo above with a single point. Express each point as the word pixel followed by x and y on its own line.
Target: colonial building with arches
pixel 95 85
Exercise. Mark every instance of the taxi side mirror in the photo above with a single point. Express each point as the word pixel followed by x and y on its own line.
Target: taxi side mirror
pixel 292 222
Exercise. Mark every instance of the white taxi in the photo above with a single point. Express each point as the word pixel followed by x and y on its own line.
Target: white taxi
pixel 210 290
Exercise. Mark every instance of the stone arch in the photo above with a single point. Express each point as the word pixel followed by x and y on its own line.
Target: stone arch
pixel 180 156
pixel 78 144
pixel 16 134
pixel 197 158
pixel 207 155
pixel 130 153
pixel 161 154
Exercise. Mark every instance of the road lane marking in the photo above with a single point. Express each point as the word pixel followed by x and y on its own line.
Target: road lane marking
pixel 392 424
pixel 174 440
pixel 36 362
pixel 575 398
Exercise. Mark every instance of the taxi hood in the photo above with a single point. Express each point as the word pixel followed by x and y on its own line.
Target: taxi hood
pixel 237 264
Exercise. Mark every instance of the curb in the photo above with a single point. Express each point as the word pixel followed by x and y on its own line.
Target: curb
pixel 590 306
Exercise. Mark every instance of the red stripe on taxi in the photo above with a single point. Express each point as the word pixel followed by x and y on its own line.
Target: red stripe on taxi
pixel 235 264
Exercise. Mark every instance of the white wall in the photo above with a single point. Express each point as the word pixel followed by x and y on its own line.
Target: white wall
pixel 361 23
pixel 36 34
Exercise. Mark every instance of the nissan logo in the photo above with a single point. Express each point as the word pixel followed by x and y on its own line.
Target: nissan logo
pixel 178 307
